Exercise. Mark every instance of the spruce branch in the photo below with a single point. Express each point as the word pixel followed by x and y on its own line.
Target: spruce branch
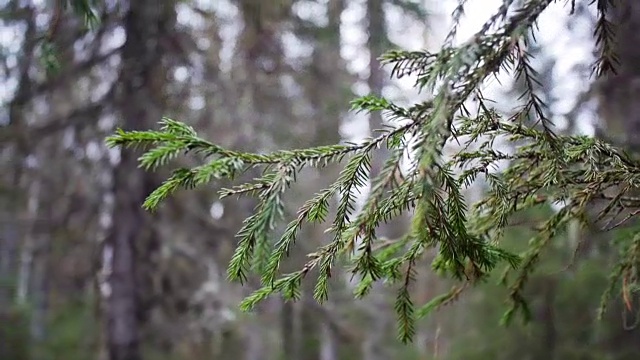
pixel 543 169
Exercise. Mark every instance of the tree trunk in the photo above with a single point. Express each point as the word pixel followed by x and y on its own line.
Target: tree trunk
pixel 142 81
pixel 619 94
pixel 291 330
pixel 374 344
pixel 619 110
pixel 10 236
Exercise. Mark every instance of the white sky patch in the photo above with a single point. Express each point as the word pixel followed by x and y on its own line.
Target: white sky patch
pixel 11 39
pixel 197 102
pixel 230 29
pixel 186 16
pixel 93 151
pixel 294 48
pixel 42 19
pixel 476 13
pixel 114 156
pixel 107 122
pixel 312 11
pixel 113 39
pixel 181 74
pixel 217 210
pixel 352 34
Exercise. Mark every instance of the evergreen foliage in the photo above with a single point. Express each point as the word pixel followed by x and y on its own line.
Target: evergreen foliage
pixel 565 325
pixel 544 168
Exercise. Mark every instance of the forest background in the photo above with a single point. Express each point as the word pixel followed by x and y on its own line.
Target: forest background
pixel 254 76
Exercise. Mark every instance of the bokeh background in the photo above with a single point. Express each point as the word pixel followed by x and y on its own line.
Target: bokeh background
pixel 78 255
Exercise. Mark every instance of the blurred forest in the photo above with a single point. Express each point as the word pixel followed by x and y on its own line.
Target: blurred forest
pixel 86 273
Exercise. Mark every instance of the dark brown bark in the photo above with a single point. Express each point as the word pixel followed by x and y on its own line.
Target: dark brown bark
pixel 132 242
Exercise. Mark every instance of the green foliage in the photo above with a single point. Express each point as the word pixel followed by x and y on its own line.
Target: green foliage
pixel 49 58
pixel 543 168
pixel 72 333
pixel 566 325
pixel 14 339
pixel 84 9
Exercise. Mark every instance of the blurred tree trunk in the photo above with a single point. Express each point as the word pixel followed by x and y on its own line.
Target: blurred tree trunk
pixel 33 281
pixel 626 17
pixel 28 245
pixel 131 238
pixel 325 92
pixel 619 93
pixel 13 222
pixel 8 254
pixel 265 109
pixel 428 285
pixel 619 110
pixel 14 338
pixel 40 289
pixel 374 346
pixel 291 330
pixel 626 98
